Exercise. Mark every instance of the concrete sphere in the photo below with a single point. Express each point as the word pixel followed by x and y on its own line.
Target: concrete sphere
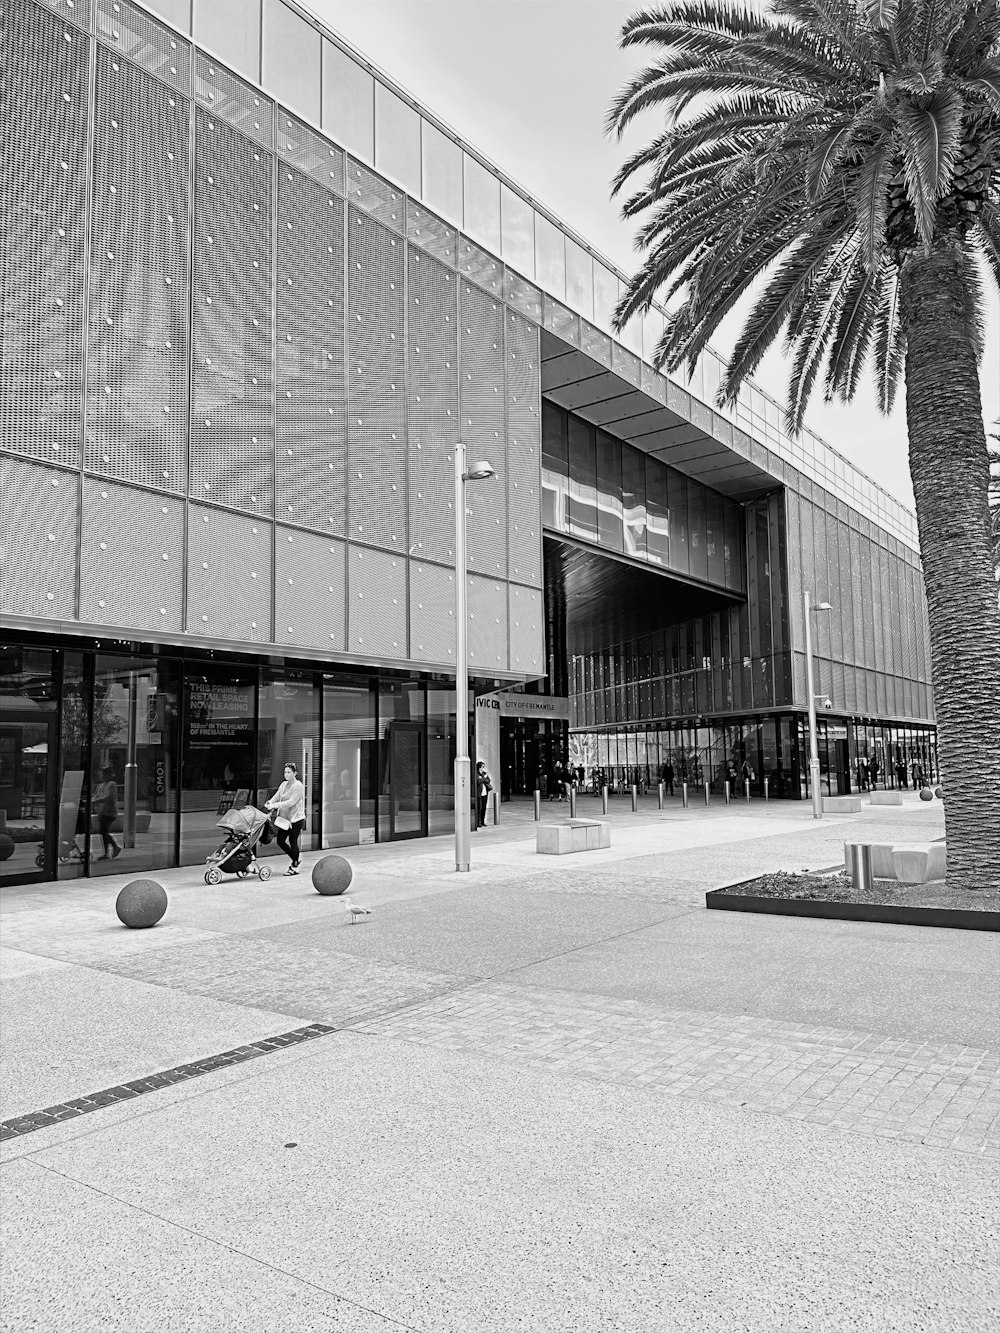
pixel 939 793
pixel 331 876
pixel 926 794
pixel 6 846
pixel 141 903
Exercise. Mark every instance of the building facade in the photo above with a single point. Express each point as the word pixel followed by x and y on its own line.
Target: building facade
pixel 253 295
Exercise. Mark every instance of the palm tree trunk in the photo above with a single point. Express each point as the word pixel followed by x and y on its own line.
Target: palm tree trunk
pixel 948 466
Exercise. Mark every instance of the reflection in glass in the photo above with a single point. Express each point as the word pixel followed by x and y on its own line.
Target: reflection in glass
pixel 348 103
pixel 288 733
pixel 517 229
pixel 550 257
pixel 133 763
pixel 27 739
pixel 657 513
pixel 605 296
pixel 652 331
pixel 177 12
pixel 582 479
pixel 291 60
pixel 677 506
pixel 579 279
pixel 697 550
pixel 217 752
pixel 482 204
pixel 634 501
pixel 349 762
pixel 440 760
pixel 402 791
pixel 609 492
pixel 74 797
pixel 230 29
pixel 442 173
pixel 397 139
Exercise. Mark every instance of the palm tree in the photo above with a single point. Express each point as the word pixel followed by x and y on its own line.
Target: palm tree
pixel 837 162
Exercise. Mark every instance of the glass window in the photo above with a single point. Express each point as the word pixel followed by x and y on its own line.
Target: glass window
pixel 291 57
pixel 288 733
pixel 217 752
pixel 517 228
pixel 579 279
pixel 582 479
pixel 133 764
pixel 631 335
pixel 349 762
pixel 605 296
pixel 634 501
pixel 230 29
pixel 440 761
pixel 698 551
pixel 677 505
pixel 397 139
pixel 442 173
pixel 657 513
pixel 609 492
pixel 550 257
pixel 652 332
pixel 27 739
pixel 348 103
pixel 482 204
pixel 74 766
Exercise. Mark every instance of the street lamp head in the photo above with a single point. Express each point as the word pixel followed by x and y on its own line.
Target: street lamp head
pixel 480 471
pixel 823 606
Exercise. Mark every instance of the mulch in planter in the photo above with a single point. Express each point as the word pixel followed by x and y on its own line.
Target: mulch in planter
pixel 888 892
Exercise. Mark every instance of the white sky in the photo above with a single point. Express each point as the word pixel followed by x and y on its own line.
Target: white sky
pixel 527 82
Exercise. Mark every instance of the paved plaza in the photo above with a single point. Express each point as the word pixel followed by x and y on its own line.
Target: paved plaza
pixel 553 1094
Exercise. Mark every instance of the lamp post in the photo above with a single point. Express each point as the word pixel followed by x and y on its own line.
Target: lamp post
pixel 463 768
pixel 817 799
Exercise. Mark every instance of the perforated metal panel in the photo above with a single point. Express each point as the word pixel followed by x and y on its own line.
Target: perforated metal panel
pixel 137 370
pixel 376 603
pixel 376 422
pixel 313 155
pixel 432 614
pixel 311 450
pixel 431 234
pixel 132 557
pixel 129 31
pixel 39 509
pixel 228 576
pixel 563 322
pixel 524 451
pixel 372 194
pixel 655 385
pixel 527 629
pixel 595 343
pixel 487 610
pixel 432 397
pixel 523 295
pixel 73 11
pixel 482 400
pixel 228 97
pixel 627 365
pixel 480 267
pixel 43 124
pixel 232 415
pixel 310 587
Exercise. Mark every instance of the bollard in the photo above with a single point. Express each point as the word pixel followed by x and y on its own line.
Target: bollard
pixel 572 802
pixel 684 796
pixel 727 791
pixel 707 797
pixel 635 798
pixel 746 785
pixel 538 805
pixel 604 797
pixel 496 809
pixel 659 795
pixel 859 858
pixel 766 781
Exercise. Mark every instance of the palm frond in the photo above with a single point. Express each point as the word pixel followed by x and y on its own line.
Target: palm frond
pixel 931 136
pixel 873 202
pixel 888 343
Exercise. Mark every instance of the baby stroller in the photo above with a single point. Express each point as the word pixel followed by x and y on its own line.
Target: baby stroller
pixel 236 856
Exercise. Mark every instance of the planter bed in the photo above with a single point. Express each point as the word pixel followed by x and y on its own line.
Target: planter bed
pixel 833 897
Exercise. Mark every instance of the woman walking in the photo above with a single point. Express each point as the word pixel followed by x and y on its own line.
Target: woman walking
pixel 289 806
pixel 105 803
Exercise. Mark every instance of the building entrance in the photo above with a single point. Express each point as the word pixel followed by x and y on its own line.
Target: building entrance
pixel 27 844
pixel 407 781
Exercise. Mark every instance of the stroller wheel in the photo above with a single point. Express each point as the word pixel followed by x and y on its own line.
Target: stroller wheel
pixel 213 876
pixel 241 874
pixel 264 872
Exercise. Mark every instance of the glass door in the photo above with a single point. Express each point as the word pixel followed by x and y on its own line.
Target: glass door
pixel 407 781
pixel 27 752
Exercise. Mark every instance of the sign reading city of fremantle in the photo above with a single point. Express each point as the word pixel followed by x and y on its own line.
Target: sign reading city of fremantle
pixel 542 706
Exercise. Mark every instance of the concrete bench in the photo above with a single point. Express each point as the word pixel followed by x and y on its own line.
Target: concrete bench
pixel 573 835
pixel 919 862
pixel 887 798
pixel 841 805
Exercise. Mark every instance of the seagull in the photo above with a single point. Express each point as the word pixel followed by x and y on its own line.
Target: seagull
pixel 354 910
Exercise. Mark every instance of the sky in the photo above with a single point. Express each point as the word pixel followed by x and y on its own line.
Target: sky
pixel 527 83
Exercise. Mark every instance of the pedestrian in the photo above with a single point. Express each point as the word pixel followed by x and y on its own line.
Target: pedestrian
pixel 668 778
pixel 901 774
pixel 105 803
pixel 483 788
pixel 873 770
pixel 862 773
pixel 746 772
pixel 288 808
pixel 567 779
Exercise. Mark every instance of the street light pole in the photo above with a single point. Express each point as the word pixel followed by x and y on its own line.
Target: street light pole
pixel 463 764
pixel 817 799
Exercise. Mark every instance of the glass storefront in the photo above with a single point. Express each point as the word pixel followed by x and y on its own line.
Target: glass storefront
pixel 117 761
